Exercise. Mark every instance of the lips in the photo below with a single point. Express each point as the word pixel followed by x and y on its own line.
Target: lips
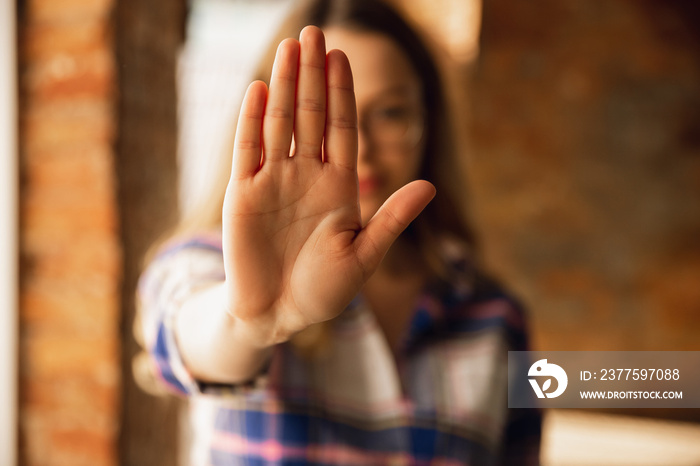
pixel 368 185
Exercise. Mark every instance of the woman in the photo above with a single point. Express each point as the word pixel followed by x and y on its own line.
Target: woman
pixel 312 320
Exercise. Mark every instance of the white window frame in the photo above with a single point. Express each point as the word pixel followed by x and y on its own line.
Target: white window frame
pixel 9 326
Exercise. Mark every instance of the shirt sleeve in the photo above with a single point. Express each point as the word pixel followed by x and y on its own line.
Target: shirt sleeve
pixel 177 270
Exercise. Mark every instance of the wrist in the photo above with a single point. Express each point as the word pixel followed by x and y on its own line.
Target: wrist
pixel 259 330
pixel 215 346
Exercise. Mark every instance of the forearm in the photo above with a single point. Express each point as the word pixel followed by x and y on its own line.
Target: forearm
pixel 214 345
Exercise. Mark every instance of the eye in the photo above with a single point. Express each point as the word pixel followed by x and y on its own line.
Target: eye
pixel 394 112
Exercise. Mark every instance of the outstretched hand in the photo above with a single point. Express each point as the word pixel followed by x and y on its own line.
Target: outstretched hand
pixel 295 249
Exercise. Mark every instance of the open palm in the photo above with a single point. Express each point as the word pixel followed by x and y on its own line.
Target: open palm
pixel 295 249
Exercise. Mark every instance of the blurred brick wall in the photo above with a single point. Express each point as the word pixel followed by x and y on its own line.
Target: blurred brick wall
pixel 585 166
pixel 70 253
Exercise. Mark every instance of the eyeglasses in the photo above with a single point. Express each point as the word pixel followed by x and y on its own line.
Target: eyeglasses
pixel 394 125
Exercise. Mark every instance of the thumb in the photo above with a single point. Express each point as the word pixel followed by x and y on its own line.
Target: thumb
pixel 390 221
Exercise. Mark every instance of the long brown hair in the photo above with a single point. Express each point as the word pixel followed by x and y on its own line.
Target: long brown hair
pixel 447 215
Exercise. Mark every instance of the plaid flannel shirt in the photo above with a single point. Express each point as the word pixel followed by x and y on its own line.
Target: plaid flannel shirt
pixel 441 401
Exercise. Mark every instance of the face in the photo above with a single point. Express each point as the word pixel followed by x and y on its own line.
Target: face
pixel 390 114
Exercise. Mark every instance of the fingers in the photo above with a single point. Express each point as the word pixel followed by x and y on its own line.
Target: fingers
pixel 391 219
pixel 341 118
pixel 279 110
pixel 247 146
pixel 310 112
pixel 297 105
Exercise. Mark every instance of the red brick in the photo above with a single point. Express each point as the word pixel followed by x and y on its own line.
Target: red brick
pixel 49 357
pixel 63 219
pixel 674 291
pixel 68 122
pixel 80 395
pixel 68 312
pixel 68 11
pixel 70 170
pixel 70 253
pixel 66 75
pixel 88 269
pixel 582 173
pixel 52 437
pixel 82 446
pixel 44 40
